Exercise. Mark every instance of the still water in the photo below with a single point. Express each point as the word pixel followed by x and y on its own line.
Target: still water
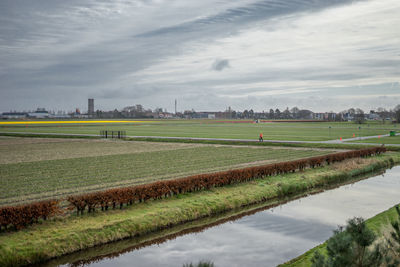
pixel 273 236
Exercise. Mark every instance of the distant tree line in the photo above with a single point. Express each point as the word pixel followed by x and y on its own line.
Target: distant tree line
pixel 352 114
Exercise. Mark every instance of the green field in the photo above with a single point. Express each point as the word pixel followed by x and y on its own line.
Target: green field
pixel 296 131
pixel 36 168
pixel 382 140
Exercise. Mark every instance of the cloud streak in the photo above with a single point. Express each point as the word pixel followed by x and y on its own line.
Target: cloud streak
pixel 239 52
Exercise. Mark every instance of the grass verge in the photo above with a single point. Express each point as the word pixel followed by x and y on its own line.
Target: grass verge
pixel 66 235
pixel 252 143
pixel 383 140
pixel 216 142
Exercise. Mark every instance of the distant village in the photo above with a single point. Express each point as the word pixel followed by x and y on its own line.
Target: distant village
pixel 138 111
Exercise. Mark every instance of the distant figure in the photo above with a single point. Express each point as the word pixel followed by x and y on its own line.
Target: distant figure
pixel 261 138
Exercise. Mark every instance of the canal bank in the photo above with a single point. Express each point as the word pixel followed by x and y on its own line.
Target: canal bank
pixel 379 224
pixel 59 237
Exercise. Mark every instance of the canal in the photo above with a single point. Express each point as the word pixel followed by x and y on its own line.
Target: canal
pixel 266 238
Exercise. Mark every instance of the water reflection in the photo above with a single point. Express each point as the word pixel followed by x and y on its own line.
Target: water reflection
pixel 272 236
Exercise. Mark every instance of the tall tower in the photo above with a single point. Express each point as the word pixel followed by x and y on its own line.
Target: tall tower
pixel 90 106
pixel 175 105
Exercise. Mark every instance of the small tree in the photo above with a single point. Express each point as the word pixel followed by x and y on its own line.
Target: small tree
pixel 271 114
pixel 277 113
pixel 200 264
pixel 286 113
pixel 349 246
pixel 295 112
pixel 397 113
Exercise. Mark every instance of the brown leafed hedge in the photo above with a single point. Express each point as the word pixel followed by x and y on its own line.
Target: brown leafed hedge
pixel 162 189
pixel 23 215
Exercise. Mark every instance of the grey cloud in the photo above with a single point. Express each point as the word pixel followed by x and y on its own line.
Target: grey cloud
pixel 260 10
pixel 220 64
pixel 54 51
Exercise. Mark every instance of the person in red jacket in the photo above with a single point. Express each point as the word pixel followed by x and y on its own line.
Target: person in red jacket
pixel 261 138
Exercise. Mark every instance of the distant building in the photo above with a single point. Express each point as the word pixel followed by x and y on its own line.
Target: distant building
pixel 90 106
pixel 329 116
pixel 318 116
pixel 40 113
pixel 326 116
pixel 14 115
pixel 373 116
pixel 348 117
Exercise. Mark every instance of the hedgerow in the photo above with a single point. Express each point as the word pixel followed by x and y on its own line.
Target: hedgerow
pixel 23 215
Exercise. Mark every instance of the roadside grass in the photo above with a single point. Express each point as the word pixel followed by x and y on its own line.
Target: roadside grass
pixel 383 140
pixel 343 145
pixel 65 235
pixel 26 181
pixel 299 131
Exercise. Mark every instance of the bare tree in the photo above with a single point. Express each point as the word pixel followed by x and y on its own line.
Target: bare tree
pixel 397 113
pixel 277 113
pixel 295 112
pixel 359 116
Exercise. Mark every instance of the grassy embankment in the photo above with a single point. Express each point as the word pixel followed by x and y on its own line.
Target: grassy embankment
pixel 379 224
pixel 34 169
pixel 298 131
pixel 59 237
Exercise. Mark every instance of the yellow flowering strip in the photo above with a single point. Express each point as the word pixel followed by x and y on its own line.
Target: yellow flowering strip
pixel 65 122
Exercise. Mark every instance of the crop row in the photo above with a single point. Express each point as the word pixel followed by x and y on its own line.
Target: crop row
pixel 22 215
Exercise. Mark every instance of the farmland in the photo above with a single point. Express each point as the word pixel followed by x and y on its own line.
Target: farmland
pixel 299 131
pixel 33 169
pixel 55 238
pixel 37 168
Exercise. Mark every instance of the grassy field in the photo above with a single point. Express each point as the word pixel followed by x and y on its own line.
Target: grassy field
pixel 55 238
pixel 382 140
pixel 36 168
pixel 304 131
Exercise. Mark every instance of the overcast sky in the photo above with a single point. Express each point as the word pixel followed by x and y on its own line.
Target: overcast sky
pixel 315 54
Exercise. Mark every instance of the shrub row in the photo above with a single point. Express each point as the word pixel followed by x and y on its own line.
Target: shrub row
pixel 162 189
pixel 22 215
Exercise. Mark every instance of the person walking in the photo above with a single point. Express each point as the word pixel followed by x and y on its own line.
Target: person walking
pixel 261 138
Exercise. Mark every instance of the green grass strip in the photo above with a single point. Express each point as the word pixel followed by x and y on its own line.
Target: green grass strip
pixel 232 142
pixel 220 142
